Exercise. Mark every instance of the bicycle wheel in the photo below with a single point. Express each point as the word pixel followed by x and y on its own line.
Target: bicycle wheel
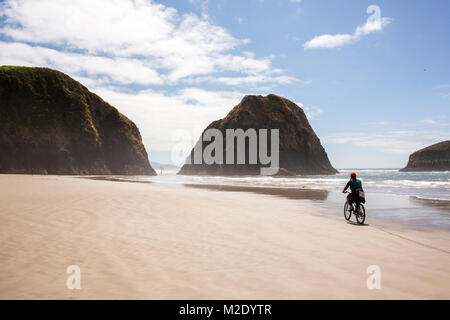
pixel 361 215
pixel 347 212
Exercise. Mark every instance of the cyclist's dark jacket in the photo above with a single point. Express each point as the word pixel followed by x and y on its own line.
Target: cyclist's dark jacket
pixel 354 185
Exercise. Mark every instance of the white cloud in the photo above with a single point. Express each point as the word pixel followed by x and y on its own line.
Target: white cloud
pixel 160 115
pixel 118 70
pixel 380 123
pixel 140 38
pixel 438 120
pixel 110 46
pixel 202 4
pixel 328 41
pixel 392 142
pixel 443 88
pixel 373 24
pixel 311 112
pixel 249 81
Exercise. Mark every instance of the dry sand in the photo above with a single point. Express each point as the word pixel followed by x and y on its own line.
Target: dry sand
pixel 144 241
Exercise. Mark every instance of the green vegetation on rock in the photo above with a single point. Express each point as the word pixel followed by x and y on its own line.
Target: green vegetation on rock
pixel 50 123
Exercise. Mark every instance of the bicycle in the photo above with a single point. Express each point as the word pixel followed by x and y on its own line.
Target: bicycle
pixel 360 215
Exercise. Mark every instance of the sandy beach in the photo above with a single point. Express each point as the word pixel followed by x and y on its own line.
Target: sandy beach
pixel 146 241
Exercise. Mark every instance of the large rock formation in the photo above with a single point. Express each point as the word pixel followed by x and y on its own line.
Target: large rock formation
pixel 299 147
pixel 433 158
pixel 50 123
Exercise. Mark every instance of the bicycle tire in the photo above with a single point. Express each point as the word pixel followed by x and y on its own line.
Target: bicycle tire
pixel 347 213
pixel 361 216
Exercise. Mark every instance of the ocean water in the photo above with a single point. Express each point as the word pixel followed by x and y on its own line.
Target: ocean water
pixel 421 199
pixel 422 185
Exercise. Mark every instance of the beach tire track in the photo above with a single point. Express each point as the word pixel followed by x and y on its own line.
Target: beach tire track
pixel 411 240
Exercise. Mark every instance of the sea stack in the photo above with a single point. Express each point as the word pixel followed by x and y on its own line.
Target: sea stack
pixel 433 158
pixel 51 124
pixel 300 151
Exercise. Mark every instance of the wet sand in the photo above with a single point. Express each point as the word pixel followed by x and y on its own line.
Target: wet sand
pixel 288 193
pixel 146 241
pixel 435 203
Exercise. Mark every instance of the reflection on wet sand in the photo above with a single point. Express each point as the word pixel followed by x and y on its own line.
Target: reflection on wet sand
pixel 290 193
pixel 116 179
pixel 434 203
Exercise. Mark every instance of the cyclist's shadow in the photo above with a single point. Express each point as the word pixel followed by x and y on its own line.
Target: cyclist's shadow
pixel 357 224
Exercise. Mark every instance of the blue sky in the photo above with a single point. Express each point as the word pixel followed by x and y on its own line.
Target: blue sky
pixel 373 94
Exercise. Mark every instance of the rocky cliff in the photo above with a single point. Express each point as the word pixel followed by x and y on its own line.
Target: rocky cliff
pixel 300 150
pixel 50 123
pixel 433 158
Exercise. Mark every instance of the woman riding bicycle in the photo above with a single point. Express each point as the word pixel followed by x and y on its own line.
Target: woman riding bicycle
pixel 355 186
